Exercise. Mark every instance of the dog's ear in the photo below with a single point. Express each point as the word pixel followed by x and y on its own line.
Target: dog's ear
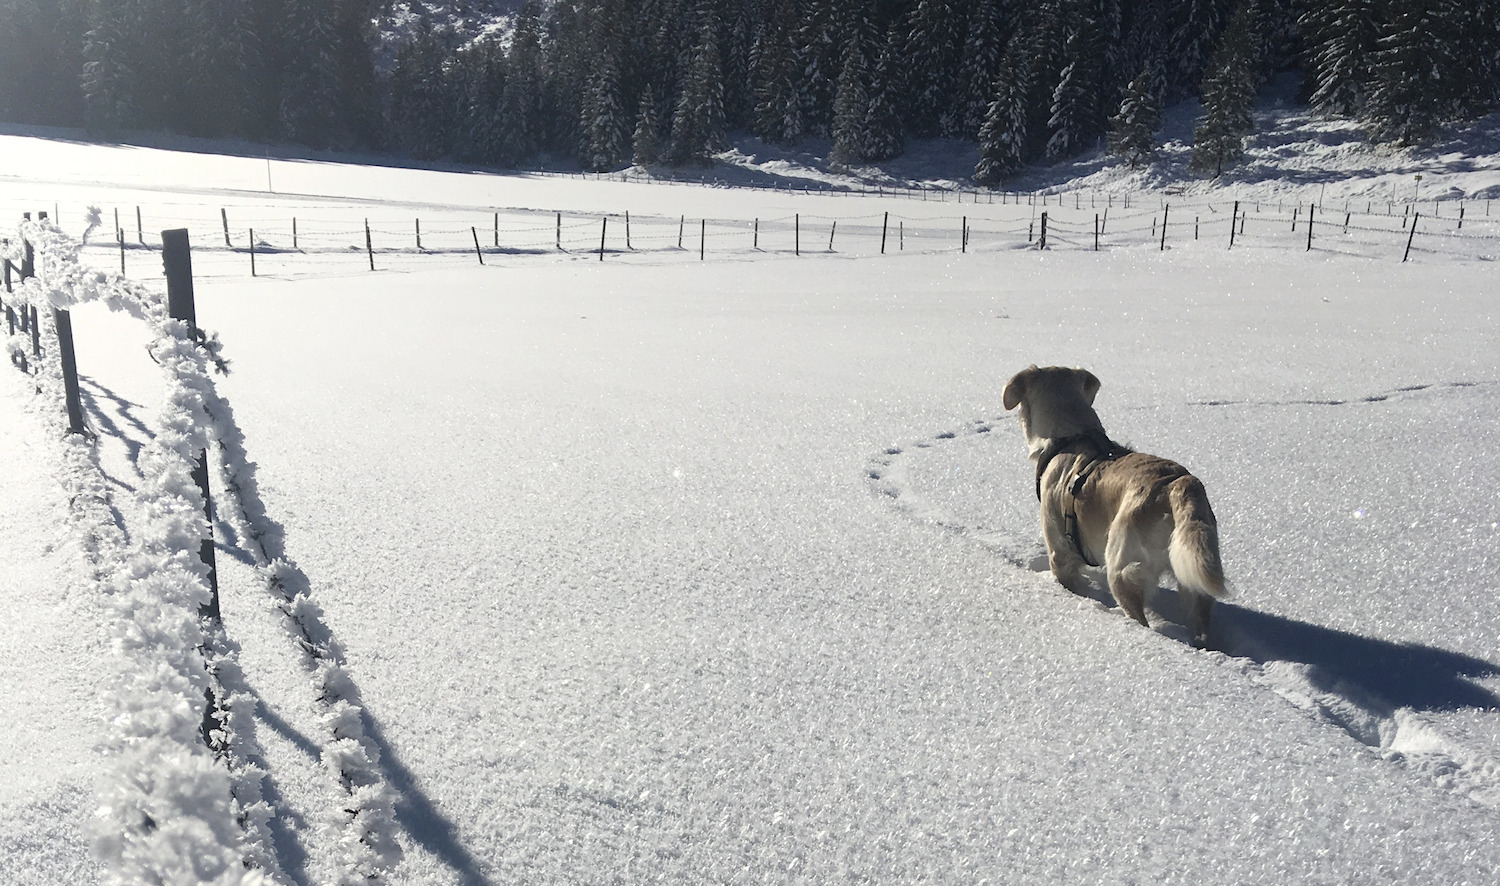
pixel 1015 389
pixel 1089 383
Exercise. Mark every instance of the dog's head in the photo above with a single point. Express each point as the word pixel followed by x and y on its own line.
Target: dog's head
pixel 1055 402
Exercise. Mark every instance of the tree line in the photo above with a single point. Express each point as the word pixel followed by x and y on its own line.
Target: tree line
pixel 614 82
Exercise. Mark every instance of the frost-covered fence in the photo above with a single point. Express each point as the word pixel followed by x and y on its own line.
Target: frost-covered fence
pixel 182 800
pixel 326 239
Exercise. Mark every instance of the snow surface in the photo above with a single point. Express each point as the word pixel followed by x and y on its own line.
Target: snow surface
pixel 717 571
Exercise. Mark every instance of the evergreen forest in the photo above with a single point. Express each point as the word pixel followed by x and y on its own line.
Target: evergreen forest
pixel 607 83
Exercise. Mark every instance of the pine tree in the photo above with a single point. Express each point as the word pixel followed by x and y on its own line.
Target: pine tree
pixel 1200 26
pixel 40 61
pixel 604 120
pixel 885 131
pixel 424 97
pixel 1074 121
pixel 521 99
pixel 1132 132
pixel 646 143
pixel 1004 137
pixel 309 106
pixel 1228 96
pixel 698 125
pixel 934 51
pixel 984 44
pixel 1340 37
pixel 1419 77
pixel 778 111
pixel 110 80
pixel 479 75
pixel 850 108
pixel 227 74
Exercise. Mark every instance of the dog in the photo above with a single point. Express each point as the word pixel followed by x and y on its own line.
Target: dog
pixel 1101 502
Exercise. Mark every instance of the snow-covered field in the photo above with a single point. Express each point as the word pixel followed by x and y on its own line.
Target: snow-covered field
pixel 660 569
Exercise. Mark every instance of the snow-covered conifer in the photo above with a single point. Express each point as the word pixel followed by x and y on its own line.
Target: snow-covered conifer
pixel 1228 95
pixel 1003 138
pixel 698 124
pixel 1132 132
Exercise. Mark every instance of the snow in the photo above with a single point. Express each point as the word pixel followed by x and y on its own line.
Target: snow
pixel 654 568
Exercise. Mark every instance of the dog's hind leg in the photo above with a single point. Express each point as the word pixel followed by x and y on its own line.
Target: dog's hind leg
pixel 1200 609
pixel 1128 585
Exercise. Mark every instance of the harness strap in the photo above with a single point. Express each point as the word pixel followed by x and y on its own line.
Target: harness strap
pixel 1108 450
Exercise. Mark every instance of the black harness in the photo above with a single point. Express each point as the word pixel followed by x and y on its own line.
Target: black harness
pixel 1096 450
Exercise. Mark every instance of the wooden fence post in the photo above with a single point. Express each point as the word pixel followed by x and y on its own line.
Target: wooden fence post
pixel 963 237
pixel 177 262
pixel 252 252
pixel 559 230
pixel 1310 208
pixel 627 231
pixel 369 245
pixel 418 224
pixel 702 236
pixel 884 224
pixel 797 233
pixel 1164 210
pixel 1234 218
pixel 603 229
pixel 831 232
pixel 475 231
pixel 1096 232
pixel 681 221
pixel 755 242
pixel 121 235
pixel 1042 241
pixel 1409 237
pixel 63 321
pixel 224 216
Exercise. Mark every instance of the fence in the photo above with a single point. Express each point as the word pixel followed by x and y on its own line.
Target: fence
pixel 262 239
pixel 178 693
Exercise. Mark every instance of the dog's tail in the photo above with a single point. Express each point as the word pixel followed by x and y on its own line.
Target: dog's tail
pixel 1194 550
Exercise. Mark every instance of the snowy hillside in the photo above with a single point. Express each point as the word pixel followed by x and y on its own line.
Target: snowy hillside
pixel 649 564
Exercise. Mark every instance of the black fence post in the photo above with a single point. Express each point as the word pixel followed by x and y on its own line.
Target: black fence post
pixel 603 229
pixel 64 323
pixel 1310 208
pixel 1164 210
pixel 797 233
pixel 1409 237
pixel 475 231
pixel 1234 219
pixel 702 237
pixel 884 224
pixel 1042 240
pixel 177 263
pixel 369 245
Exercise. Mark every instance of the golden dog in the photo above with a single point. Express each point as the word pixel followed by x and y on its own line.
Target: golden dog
pixel 1137 514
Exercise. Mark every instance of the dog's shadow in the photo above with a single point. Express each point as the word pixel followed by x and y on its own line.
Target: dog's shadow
pixel 1402 675
pixel 1396 675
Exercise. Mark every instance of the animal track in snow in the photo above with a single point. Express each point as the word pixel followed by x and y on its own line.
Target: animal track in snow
pixel 960 482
